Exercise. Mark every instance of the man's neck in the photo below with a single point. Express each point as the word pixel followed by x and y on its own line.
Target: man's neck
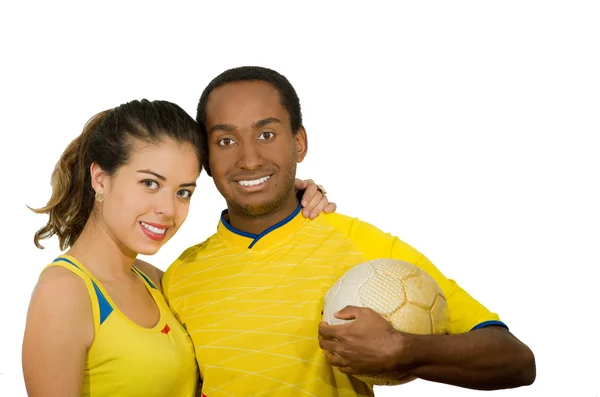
pixel 257 225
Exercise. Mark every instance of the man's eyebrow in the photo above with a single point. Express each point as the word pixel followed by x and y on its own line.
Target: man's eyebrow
pixel 222 127
pixel 162 178
pixel 263 122
pixel 256 124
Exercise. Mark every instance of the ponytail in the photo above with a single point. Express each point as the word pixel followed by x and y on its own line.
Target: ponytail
pixel 72 199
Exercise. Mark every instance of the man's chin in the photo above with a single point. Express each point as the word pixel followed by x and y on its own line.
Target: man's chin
pixel 257 210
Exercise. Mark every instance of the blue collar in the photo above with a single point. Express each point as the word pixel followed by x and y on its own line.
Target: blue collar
pixel 256 237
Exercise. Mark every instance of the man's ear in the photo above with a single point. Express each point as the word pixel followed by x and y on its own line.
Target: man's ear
pixel 301 144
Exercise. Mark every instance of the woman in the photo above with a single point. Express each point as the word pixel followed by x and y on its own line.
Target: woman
pixel 97 323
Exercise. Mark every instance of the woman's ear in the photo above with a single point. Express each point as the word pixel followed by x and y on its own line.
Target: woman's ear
pixel 99 178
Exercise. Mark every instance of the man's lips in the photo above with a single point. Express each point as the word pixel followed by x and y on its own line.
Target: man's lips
pixel 254 181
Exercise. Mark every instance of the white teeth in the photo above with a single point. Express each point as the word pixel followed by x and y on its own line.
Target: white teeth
pixel 153 229
pixel 255 181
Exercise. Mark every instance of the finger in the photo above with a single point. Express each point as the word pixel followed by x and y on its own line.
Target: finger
pixel 328 355
pixel 330 208
pixel 327 331
pixel 317 204
pixel 335 359
pixel 309 192
pixel 329 344
pixel 301 184
pixel 346 370
pixel 349 313
pixel 308 198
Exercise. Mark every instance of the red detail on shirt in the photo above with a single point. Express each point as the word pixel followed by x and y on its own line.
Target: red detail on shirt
pixel 166 329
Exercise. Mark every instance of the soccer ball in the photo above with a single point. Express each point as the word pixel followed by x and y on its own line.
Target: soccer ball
pixel 402 293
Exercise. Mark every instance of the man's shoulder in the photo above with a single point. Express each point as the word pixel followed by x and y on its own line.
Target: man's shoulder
pixel 193 252
pixel 334 219
pixel 348 225
pixel 189 256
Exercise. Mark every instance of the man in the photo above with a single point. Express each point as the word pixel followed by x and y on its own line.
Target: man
pixel 251 295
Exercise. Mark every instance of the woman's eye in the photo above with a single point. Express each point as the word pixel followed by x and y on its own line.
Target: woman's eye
pixel 150 184
pixel 184 194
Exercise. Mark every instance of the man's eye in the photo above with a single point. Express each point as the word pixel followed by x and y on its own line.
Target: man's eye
pixel 266 135
pixel 226 142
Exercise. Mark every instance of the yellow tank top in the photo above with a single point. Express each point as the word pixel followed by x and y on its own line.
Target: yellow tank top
pixel 126 359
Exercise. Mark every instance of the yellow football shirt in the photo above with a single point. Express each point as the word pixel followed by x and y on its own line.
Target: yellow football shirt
pixel 252 303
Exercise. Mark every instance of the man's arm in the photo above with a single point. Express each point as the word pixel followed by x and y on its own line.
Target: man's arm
pixel 486 359
pixel 489 358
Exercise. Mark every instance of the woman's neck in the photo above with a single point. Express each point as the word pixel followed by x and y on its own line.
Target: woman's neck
pixel 100 252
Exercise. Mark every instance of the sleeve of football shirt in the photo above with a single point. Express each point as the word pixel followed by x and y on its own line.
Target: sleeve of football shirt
pixel 488 358
pixel 466 313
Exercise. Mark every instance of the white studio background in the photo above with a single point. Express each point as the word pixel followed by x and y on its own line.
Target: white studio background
pixel 468 128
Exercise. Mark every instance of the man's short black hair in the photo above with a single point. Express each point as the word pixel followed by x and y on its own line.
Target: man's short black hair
pixel 287 95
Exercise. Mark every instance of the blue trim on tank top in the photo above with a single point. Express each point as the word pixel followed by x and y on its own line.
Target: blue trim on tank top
pixel 105 307
pixel 488 324
pixel 256 237
pixel 138 271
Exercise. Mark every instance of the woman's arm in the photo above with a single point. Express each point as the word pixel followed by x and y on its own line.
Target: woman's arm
pixel 58 333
